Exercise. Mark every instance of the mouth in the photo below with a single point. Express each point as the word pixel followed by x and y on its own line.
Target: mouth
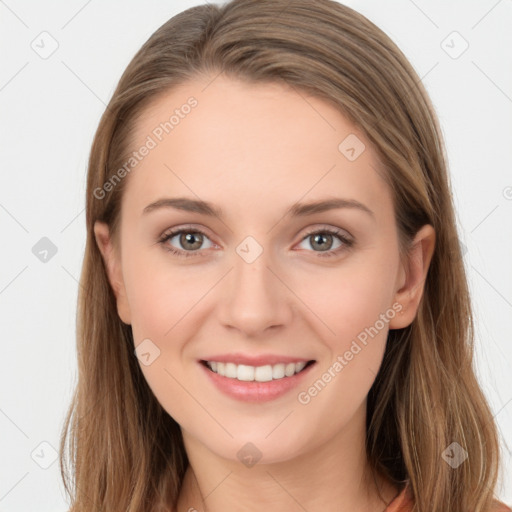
pixel 264 373
pixel 255 384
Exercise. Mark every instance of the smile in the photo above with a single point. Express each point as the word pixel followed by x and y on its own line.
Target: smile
pixel 264 373
pixel 248 383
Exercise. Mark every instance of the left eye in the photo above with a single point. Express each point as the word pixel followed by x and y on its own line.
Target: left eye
pixel 323 240
pixel 192 240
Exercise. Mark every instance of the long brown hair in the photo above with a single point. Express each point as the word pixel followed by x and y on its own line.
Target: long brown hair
pixel 124 451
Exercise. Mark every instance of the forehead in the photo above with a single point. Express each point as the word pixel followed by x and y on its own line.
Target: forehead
pixel 250 144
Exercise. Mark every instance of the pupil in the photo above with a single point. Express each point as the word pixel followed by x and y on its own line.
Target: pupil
pixel 189 238
pixel 319 236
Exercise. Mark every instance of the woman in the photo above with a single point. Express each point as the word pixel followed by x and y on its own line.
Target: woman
pixel 312 349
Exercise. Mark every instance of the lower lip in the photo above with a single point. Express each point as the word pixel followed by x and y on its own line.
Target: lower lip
pixel 253 391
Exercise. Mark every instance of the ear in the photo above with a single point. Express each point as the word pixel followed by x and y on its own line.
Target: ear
pixel 112 261
pixel 411 280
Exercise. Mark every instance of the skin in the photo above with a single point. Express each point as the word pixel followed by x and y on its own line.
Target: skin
pixel 254 150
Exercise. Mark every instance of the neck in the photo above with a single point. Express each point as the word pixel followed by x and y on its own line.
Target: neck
pixel 334 476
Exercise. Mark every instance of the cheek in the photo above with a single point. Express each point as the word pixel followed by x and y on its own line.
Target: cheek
pixel 351 299
pixel 162 306
pixel 355 305
pixel 161 295
pixel 356 309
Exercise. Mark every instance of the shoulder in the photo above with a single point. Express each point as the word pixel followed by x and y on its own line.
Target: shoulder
pixel 501 507
pixel 404 502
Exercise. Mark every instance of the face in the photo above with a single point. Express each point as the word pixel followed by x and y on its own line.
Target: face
pixel 259 283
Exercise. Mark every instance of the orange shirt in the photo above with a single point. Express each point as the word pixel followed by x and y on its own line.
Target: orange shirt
pixel 404 503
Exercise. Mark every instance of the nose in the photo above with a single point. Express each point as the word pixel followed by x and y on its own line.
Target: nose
pixel 255 296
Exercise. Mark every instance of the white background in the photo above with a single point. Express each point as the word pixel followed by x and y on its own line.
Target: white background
pixel 50 109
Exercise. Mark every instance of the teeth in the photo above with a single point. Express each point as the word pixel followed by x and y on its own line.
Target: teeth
pixel 255 373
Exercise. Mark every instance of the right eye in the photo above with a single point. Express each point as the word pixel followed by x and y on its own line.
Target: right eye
pixel 188 238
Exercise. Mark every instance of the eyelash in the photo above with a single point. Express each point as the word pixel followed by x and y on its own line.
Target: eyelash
pixel 186 254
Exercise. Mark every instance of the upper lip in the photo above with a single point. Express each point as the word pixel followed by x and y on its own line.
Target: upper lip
pixel 255 360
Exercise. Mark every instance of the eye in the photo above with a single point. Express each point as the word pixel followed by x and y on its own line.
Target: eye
pixel 323 239
pixel 190 239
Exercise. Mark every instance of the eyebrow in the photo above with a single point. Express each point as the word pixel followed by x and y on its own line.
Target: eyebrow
pixel 296 210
